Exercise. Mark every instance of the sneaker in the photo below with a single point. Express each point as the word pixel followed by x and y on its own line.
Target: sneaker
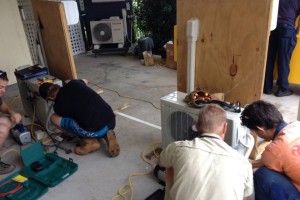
pixel 112 143
pixel 281 93
pixel 6 168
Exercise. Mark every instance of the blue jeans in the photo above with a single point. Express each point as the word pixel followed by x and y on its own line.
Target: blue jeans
pixel 271 185
pixel 282 43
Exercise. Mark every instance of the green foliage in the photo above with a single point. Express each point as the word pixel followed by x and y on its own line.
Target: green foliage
pixel 155 19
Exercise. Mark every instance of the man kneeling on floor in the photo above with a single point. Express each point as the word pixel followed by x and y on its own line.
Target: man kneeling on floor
pixel 81 111
pixel 206 167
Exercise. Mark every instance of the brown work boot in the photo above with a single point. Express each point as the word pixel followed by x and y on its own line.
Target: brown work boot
pixel 88 145
pixel 112 143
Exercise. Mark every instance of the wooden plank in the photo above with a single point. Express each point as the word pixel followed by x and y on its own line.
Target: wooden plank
pixel 55 34
pixel 232 33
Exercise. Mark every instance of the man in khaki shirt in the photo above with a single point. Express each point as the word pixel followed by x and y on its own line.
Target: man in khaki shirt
pixel 206 167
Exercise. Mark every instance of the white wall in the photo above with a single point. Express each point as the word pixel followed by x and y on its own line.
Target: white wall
pixel 14 50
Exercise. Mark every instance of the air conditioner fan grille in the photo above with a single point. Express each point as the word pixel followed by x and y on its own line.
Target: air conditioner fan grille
pixel 180 126
pixel 102 32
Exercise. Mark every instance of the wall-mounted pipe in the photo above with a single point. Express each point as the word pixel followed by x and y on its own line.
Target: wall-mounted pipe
pixel 274 16
pixel 124 15
pixel 192 32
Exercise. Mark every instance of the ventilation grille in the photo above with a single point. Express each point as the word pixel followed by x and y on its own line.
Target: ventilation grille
pixel 107 31
pixel 30 28
pixel 177 118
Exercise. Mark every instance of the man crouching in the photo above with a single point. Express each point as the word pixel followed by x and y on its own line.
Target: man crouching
pixel 81 111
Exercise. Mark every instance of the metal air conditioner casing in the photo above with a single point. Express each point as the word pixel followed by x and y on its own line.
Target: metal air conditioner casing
pixel 108 31
pixel 177 119
pixel 34 105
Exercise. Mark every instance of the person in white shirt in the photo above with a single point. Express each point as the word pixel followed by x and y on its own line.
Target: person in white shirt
pixel 206 167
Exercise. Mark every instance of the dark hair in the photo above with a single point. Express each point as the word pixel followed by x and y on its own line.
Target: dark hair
pixel 261 114
pixel 44 90
pixel 3 75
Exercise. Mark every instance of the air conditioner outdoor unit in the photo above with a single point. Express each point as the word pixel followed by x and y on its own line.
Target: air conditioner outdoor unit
pixel 34 105
pixel 108 31
pixel 177 119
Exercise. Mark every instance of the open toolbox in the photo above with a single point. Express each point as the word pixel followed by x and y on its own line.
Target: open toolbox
pixel 40 172
pixel 18 187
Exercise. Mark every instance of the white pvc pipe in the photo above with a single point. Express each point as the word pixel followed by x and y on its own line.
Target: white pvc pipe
pixel 124 15
pixel 275 6
pixel 192 35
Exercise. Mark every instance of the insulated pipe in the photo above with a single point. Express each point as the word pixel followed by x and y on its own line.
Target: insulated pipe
pixel 124 15
pixel 192 35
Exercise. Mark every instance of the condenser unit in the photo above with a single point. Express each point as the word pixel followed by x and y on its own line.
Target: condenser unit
pixel 108 31
pixel 177 119
pixel 35 107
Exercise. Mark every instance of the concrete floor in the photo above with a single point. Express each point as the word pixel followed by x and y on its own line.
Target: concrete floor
pixel 138 127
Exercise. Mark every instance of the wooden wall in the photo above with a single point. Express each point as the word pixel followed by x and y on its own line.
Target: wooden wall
pixel 56 40
pixel 231 48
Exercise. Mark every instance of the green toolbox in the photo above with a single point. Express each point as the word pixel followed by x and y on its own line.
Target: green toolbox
pixel 40 172
pixel 18 187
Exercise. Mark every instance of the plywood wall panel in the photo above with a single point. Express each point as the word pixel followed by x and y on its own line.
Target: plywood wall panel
pixel 232 33
pixel 56 39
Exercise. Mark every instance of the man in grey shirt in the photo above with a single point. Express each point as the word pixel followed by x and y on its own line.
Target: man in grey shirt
pixel 6 122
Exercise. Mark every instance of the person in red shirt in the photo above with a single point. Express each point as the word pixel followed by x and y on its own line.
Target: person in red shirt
pixel 278 176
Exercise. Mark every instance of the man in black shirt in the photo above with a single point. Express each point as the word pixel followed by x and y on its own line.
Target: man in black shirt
pixel 81 111
pixel 282 42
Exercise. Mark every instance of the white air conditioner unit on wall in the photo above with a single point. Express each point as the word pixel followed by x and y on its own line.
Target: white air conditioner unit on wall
pixel 108 31
pixel 177 120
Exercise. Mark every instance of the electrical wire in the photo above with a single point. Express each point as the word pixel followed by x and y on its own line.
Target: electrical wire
pixel 46 130
pixel 127 188
pixel 32 122
pixel 8 151
pixel 11 102
pixel 128 97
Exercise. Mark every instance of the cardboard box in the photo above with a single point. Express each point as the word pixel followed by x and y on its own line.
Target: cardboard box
pixel 170 57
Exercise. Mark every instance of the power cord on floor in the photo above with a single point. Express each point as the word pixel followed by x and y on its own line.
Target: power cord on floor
pixel 8 151
pixel 11 102
pixel 55 143
pixel 128 97
pixel 127 188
